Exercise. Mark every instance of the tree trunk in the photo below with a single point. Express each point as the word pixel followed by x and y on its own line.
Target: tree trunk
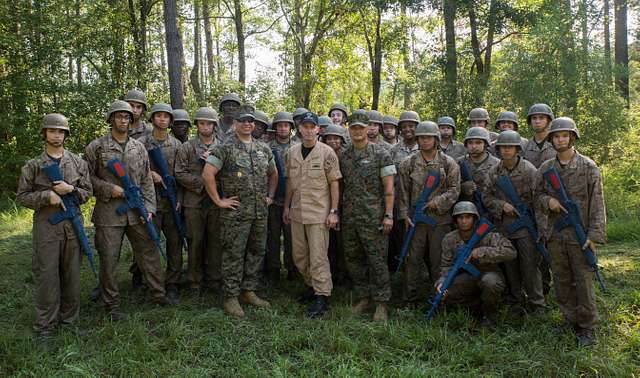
pixel 568 58
pixel 79 57
pixel 194 77
pixel 621 48
pixel 475 44
pixel 376 73
pixel 405 56
pixel 491 28
pixel 239 24
pixel 174 53
pixel 208 41
pixel 607 40
pixel 451 66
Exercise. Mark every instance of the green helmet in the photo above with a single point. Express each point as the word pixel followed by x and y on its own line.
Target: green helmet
pixel 359 118
pixel 375 117
pixel 340 107
pixel 409 116
pixel 447 121
pixel 282 117
pixel 507 116
pixel 465 207
pixel 299 112
pixel 55 121
pixel 539 109
pixel 245 111
pixel 478 114
pixel 262 117
pixel 334 130
pixel 181 115
pixel 206 113
pixel 390 120
pixel 161 107
pixel 324 121
pixel 229 97
pixel 118 106
pixel 138 96
pixel 563 124
pixel 428 128
pixel 509 138
pixel 478 133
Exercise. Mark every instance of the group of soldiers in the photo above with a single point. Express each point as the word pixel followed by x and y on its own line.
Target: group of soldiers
pixel 328 199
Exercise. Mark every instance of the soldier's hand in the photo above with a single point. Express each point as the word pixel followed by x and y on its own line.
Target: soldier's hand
pixel 157 179
pixel 178 206
pixel 285 216
pixel 432 205
pixel 149 218
pixel 387 225
pixel 474 254
pixel 229 203
pixel 555 206
pixel 468 187
pixel 332 221
pixel 117 192
pixel 268 200
pixel 508 209
pixel 205 155
pixel 62 187
pixel 589 244
pixel 408 223
pixel 55 200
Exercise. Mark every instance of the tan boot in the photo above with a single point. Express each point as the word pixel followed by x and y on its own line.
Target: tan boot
pixel 250 297
pixel 232 307
pixel 362 306
pixel 381 314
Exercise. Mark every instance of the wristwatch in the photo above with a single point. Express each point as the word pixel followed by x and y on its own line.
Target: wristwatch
pixel 388 216
pixel 333 211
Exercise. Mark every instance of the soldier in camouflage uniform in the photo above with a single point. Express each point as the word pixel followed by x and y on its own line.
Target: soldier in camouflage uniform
pixel 228 107
pixel 181 125
pixel 390 130
pixel 368 172
pixel 56 249
pixel 573 277
pixel 282 124
pixel 110 226
pixel 339 114
pixel 507 121
pixel 426 244
pixel 523 272
pixel 479 117
pixel 139 105
pixel 323 123
pixel 204 265
pixel 248 179
pixel 374 129
pixel 262 123
pixel 334 137
pixel 450 145
pixel 484 293
pixel 478 160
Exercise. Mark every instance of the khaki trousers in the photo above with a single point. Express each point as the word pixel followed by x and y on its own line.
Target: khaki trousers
pixel 310 243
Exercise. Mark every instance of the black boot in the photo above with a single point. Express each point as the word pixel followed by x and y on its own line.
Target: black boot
pixel 136 280
pixel 172 294
pixel 307 296
pixel 319 307
pixel 96 293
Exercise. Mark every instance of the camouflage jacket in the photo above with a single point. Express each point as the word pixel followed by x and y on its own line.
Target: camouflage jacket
pixel 189 166
pixel 583 183
pixel 169 148
pixel 34 189
pixel 141 130
pixel 536 155
pixel 135 158
pixel 455 149
pixel 479 174
pixel 363 194
pixel 282 149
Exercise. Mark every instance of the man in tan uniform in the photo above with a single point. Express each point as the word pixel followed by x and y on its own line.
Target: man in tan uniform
pixel 56 258
pixel 311 206
pixel 138 101
pixel 450 145
pixel 110 226
pixel 573 277
pixel 204 266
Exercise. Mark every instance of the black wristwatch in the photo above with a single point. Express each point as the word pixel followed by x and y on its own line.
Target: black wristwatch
pixel 388 216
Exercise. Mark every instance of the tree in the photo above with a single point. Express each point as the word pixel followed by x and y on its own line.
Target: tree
pixel 174 54
pixel 621 48
pixel 451 64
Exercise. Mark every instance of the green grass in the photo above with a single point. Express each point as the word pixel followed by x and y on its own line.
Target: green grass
pixel 197 339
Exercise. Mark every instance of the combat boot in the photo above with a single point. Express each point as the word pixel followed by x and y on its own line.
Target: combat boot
pixel 586 337
pixel 172 294
pixel 318 308
pixel 250 297
pixel 232 307
pixel 362 306
pixel 381 314
pixel 117 316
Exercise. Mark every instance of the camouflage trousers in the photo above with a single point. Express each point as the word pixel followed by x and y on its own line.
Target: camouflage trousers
pixel 484 292
pixel 573 281
pixel 56 269
pixel 243 250
pixel 366 254
pixel 164 222
pixel 204 264
pixel 523 273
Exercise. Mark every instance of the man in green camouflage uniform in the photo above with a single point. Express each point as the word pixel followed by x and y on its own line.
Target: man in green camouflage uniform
pixel 56 248
pixel 374 129
pixel 479 117
pixel 479 161
pixel 228 107
pixel 450 145
pixel 367 219
pixel 573 277
pixel 139 105
pixel 181 125
pixel 390 130
pixel 248 179
pixel 507 121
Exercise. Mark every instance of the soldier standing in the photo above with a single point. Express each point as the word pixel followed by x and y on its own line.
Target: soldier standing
pixel 228 108
pixel 426 244
pixel 390 130
pixel 573 277
pixel 111 226
pixel 311 205
pixel 507 121
pixel 139 105
pixel 323 123
pixel 523 272
pixel 374 129
pixel 180 125
pixel 282 123
pixel 450 145
pixel 478 160
pixel 56 247
pixel 367 218
pixel 483 293
pixel 479 117
pixel 339 114
pixel 248 178
pixel 334 138
pixel 262 123
pixel 204 266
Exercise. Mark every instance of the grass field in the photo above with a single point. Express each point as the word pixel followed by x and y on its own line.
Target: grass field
pixel 197 339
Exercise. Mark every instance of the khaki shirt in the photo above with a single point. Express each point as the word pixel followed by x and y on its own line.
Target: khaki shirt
pixel 310 181
pixel 189 166
pixel 135 158
pixel 35 187
pixel 536 155
pixel 169 148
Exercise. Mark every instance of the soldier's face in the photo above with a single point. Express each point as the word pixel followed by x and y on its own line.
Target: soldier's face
pixel 333 141
pixel 389 131
pixel 539 122
pixel 55 137
pixel 427 142
pixel 229 108
pixel 478 123
pixel 408 130
pixel 283 130
pixel 562 140
pixel 205 128
pixel 308 130
pixel 358 133
pixel 180 129
pixel 321 130
pixel 161 120
pixel 508 152
pixel 373 130
pixel 120 121
pixel 259 130
pixel 506 125
pixel 474 146
pixel 138 109
pixel 465 222
pixel 337 117
pixel 244 126
pixel 446 132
